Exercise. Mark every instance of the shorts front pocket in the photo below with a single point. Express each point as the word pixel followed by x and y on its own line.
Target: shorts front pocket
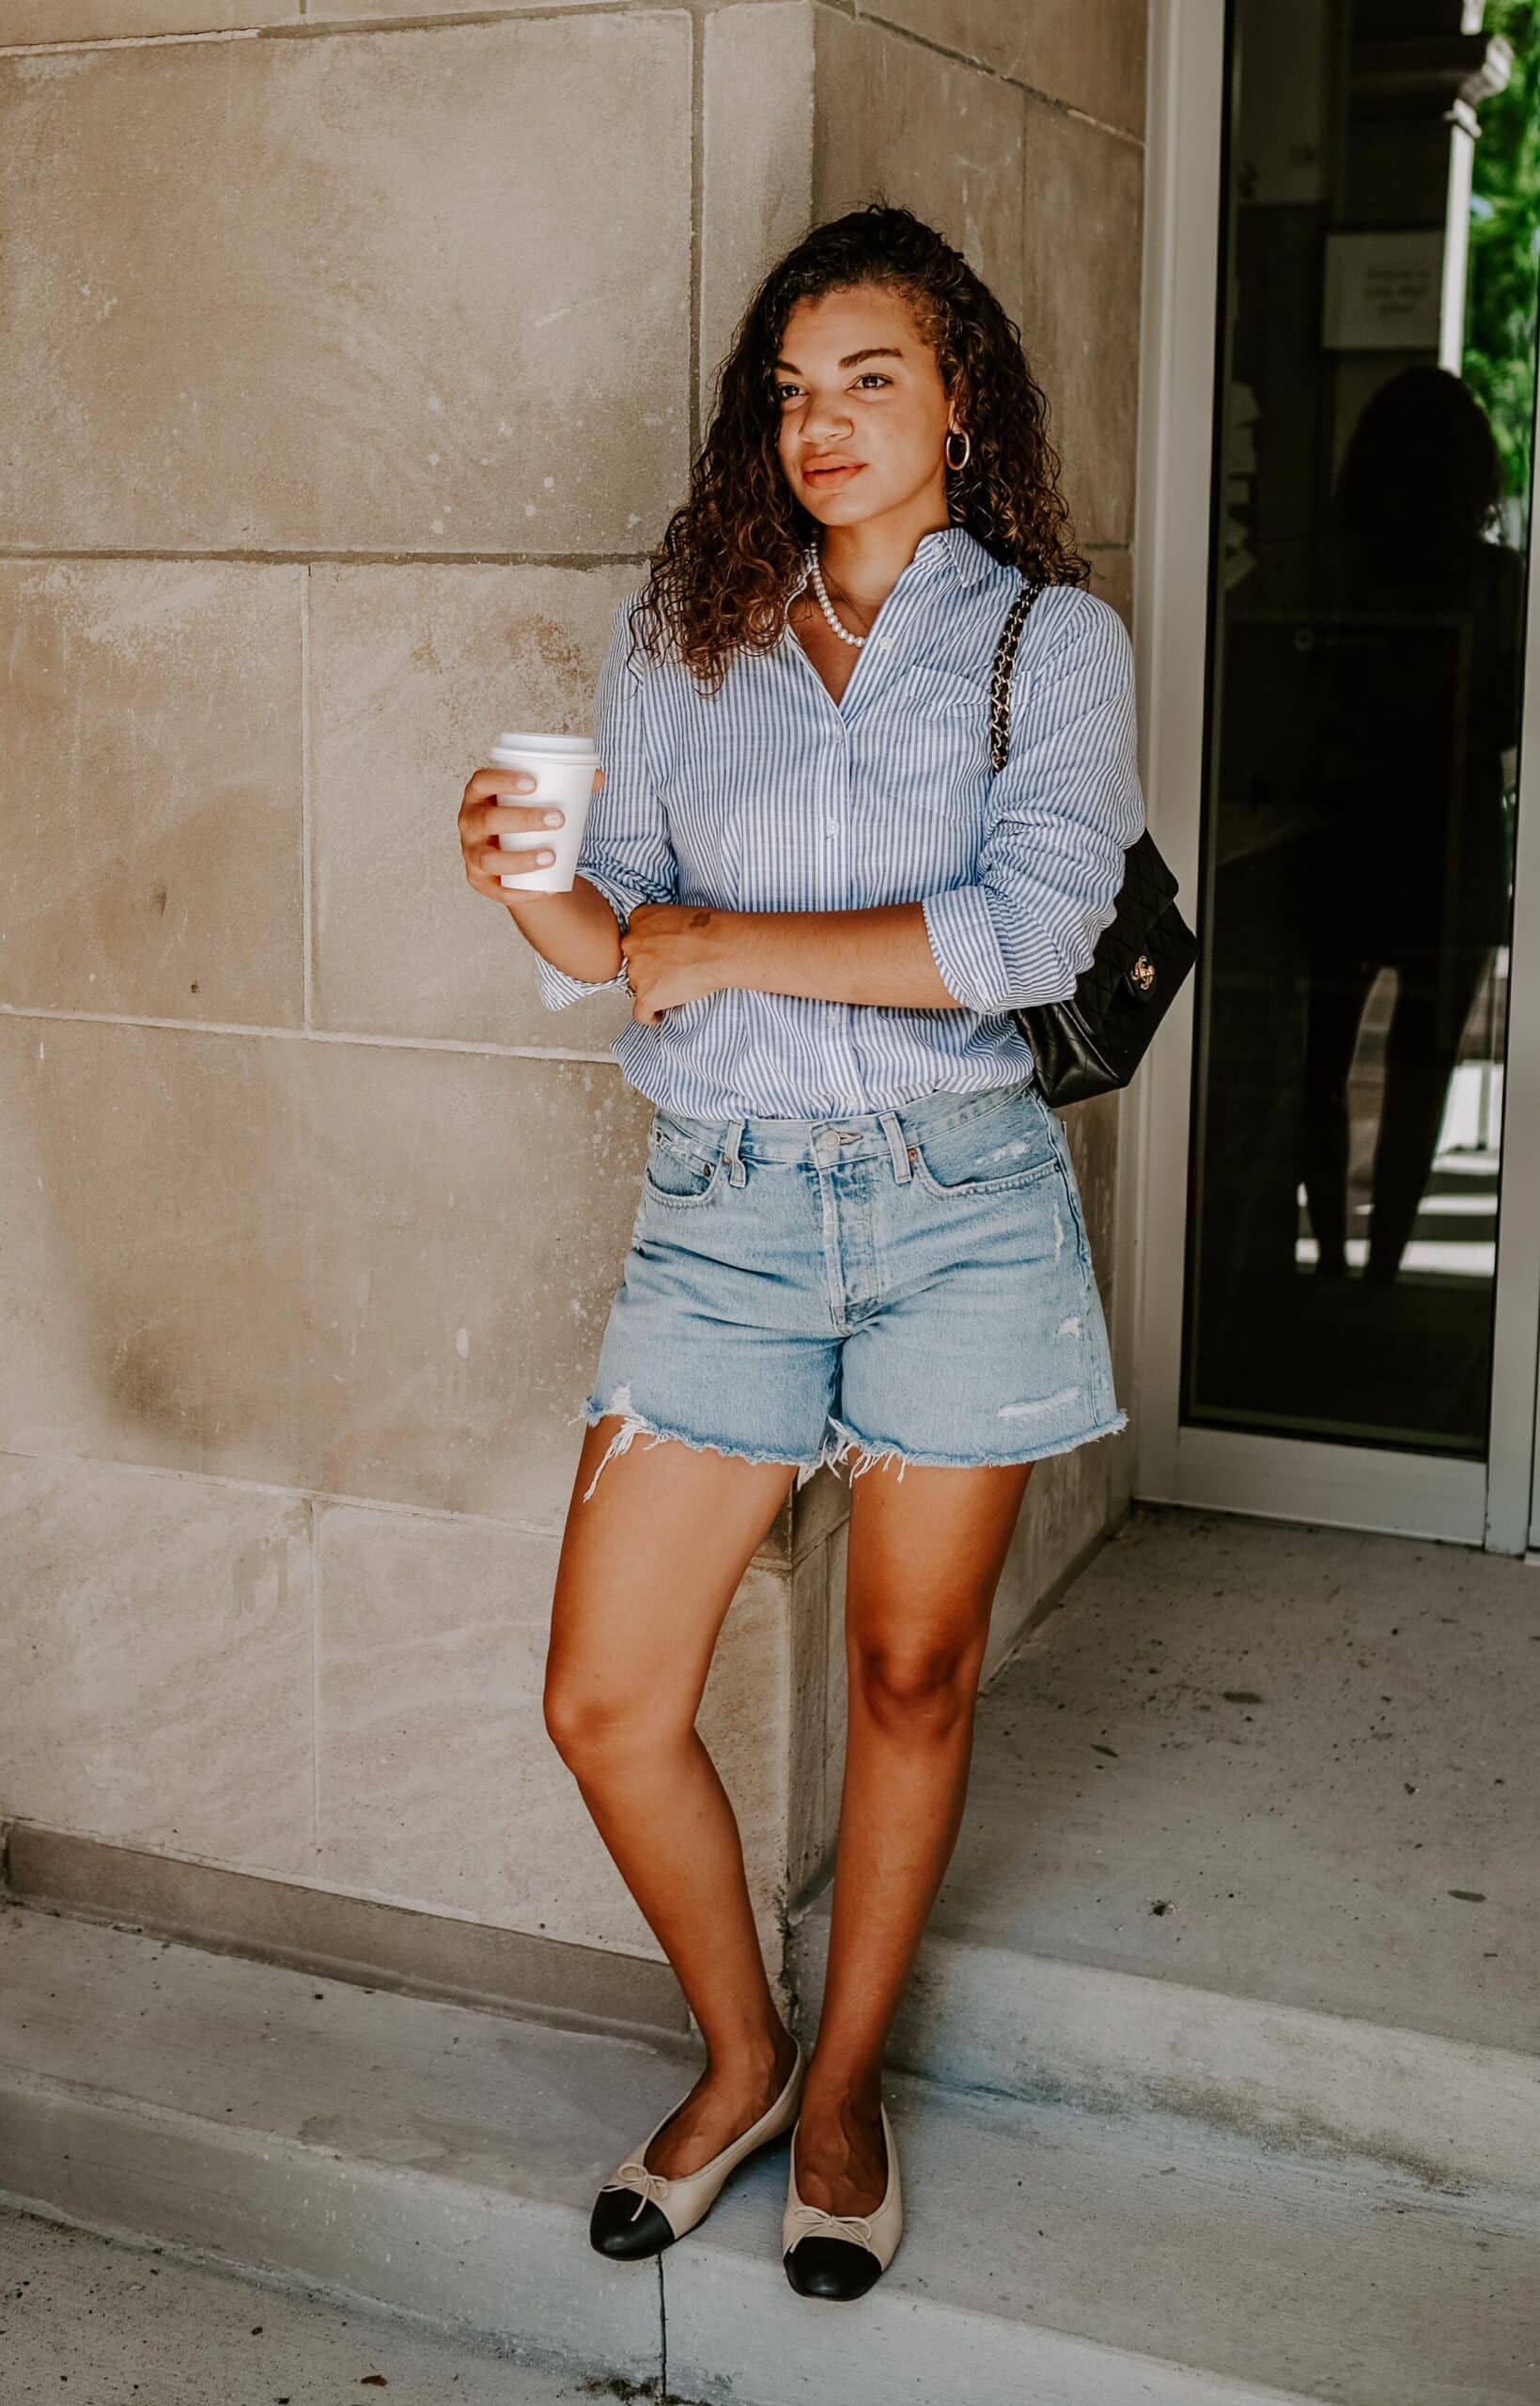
pixel 679 1173
pixel 984 1152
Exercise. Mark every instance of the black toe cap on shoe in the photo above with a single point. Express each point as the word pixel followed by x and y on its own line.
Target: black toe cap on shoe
pixel 831 2268
pixel 618 2228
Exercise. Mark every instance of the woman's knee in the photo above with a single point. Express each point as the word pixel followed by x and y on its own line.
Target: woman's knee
pixel 919 1684
pixel 591 1719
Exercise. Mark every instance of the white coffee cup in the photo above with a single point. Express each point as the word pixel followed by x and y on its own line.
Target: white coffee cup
pixel 563 768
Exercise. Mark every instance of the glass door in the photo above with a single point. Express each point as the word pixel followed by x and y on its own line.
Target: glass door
pixel 1367 612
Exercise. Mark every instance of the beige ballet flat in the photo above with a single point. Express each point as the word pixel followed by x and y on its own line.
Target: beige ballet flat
pixel 841 2255
pixel 638 2212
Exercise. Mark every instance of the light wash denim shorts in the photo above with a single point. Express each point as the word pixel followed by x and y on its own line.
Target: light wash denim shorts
pixel 909 1284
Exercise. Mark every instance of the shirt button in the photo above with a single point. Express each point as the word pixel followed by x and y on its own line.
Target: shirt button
pixel 832 825
pixel 885 643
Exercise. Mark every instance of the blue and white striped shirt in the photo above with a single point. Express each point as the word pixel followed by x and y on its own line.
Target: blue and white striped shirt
pixel 771 796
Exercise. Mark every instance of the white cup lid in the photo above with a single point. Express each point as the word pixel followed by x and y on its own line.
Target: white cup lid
pixel 560 747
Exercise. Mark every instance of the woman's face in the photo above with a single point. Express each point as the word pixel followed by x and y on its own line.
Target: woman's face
pixel 857 382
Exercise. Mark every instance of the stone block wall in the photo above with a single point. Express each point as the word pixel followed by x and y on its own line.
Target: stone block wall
pixel 354 356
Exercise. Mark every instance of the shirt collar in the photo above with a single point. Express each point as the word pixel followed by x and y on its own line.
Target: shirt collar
pixel 954 547
pixel 969 559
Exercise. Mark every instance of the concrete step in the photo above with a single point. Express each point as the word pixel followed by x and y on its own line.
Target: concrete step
pixel 1009 2022
pixel 1252 1837
pixel 107 2320
pixel 434 2159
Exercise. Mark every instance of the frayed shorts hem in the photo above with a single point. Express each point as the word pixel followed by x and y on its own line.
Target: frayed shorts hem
pixel 835 1454
pixel 835 1451
pixel 633 1426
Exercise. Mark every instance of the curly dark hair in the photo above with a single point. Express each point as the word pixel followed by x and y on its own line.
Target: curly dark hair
pixel 720 576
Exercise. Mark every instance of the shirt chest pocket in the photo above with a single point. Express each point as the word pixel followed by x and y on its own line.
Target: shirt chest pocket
pixel 925 750
pixel 939 711
pixel 943 690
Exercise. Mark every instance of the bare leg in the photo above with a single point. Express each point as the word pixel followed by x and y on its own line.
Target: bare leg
pixel 649 1568
pixel 1433 1002
pixel 925 1555
pixel 1339 988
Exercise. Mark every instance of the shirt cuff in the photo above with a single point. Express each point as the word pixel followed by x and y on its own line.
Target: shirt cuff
pixel 554 986
pixel 965 947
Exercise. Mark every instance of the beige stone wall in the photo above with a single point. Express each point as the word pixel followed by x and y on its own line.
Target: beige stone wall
pixel 351 363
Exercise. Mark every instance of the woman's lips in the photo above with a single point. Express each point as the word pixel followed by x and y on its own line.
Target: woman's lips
pixel 833 476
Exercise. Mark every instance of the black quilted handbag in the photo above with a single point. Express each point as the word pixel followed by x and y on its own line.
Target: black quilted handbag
pixel 1096 1037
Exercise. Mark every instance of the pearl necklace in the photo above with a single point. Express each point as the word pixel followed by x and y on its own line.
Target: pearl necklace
pixel 811 555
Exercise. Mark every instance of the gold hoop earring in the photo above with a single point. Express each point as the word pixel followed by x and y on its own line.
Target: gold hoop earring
pixel 966 448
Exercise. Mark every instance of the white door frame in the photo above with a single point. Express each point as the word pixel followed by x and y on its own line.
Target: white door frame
pixel 1496 1504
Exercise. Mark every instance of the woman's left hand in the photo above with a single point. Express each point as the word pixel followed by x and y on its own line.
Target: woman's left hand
pixel 673 953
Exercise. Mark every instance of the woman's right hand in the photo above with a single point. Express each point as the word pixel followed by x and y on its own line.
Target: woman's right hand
pixel 481 814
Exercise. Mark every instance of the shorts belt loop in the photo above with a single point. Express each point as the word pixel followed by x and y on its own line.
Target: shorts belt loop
pixel 731 1154
pixel 903 1169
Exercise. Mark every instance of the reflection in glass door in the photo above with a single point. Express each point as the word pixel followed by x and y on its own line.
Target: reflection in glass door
pixel 1373 454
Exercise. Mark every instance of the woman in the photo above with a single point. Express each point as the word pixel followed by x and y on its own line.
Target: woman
pixel 859 1229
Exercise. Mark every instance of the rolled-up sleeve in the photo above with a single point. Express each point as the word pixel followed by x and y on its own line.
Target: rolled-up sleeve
pixel 625 854
pixel 1062 812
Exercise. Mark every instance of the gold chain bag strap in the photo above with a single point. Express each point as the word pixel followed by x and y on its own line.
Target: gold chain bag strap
pixel 1096 1037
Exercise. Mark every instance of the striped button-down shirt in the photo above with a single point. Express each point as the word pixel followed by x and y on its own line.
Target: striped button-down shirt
pixel 771 796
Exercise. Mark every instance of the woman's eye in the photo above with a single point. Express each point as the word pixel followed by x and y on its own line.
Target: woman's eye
pixel 783 392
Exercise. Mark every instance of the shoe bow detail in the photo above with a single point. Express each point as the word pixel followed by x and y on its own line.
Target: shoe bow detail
pixel 666 2205
pixel 840 2256
pixel 808 2221
pixel 652 2187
